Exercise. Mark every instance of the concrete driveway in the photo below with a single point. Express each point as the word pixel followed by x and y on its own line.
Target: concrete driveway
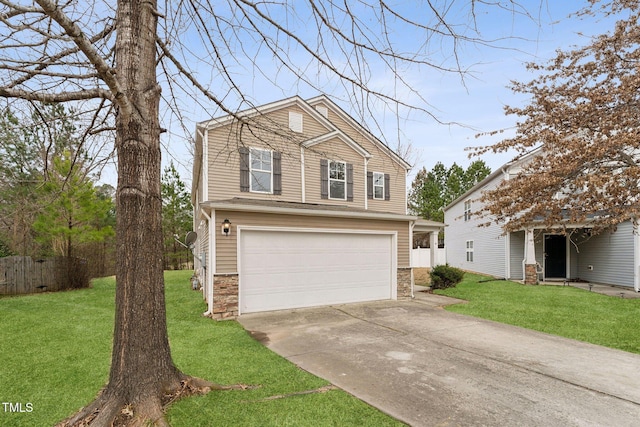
pixel 428 367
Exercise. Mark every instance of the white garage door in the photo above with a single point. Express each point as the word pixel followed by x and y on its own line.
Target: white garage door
pixel 290 269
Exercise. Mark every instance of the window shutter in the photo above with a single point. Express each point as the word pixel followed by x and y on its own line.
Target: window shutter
pixel 277 173
pixel 369 185
pixel 349 182
pixel 324 179
pixel 387 190
pixel 244 168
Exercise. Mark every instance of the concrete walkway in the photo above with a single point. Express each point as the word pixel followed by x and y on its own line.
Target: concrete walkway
pixel 428 367
pixel 612 291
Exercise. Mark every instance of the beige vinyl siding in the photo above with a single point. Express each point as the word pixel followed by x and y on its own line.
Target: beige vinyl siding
pixel 397 178
pixel 381 161
pixel 203 245
pixel 334 149
pixel 224 168
pixel 310 126
pixel 227 250
pixel 270 131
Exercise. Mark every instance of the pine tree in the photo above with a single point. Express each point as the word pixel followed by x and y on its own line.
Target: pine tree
pixel 177 217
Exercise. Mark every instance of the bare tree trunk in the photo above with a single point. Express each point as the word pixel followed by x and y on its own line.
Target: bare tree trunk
pixel 142 371
pixel 140 325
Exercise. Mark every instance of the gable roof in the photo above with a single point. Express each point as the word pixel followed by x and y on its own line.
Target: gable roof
pixel 323 99
pixel 340 135
pixel 265 109
pixel 500 171
pixel 308 107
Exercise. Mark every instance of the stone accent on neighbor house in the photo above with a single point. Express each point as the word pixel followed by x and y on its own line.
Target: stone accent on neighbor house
pixel 404 282
pixel 530 274
pixel 225 296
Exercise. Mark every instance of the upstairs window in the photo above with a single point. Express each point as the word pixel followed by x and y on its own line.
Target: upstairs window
pixel 469 250
pixel 467 210
pixel 260 169
pixel 378 185
pixel 337 180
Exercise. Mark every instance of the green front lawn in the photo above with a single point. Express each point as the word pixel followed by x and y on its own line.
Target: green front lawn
pixel 55 351
pixel 558 310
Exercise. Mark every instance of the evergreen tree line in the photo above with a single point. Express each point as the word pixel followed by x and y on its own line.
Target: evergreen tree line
pixel 431 191
pixel 51 201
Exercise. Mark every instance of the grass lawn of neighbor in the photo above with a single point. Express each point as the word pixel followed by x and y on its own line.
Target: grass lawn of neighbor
pixel 559 310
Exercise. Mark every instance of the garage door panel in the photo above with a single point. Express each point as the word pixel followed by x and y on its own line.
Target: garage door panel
pixel 284 300
pixel 302 269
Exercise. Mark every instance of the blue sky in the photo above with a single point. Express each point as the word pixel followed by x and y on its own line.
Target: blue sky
pixel 477 105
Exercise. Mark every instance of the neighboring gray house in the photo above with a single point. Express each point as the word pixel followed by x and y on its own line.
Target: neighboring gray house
pixel 537 253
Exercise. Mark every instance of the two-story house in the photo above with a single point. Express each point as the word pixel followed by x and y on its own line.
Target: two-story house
pixel 297 205
pixel 567 251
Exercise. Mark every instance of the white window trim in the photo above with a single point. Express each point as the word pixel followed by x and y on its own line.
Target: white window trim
pixel 344 165
pixel 379 186
pixel 251 170
pixel 467 210
pixel 469 250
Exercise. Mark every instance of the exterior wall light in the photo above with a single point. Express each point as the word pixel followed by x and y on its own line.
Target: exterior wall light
pixel 226 227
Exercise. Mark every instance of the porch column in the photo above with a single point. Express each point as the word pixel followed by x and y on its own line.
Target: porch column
pixel 530 270
pixel 433 244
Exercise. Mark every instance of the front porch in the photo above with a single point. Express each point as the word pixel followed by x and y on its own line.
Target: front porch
pixel 574 254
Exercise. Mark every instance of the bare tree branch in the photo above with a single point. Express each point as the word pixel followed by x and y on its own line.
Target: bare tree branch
pixel 56 97
pixel 93 56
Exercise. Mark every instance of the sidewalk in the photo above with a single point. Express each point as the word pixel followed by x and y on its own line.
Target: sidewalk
pixel 613 291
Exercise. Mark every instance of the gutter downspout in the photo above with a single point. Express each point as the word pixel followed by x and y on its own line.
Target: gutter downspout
pixel 411 225
pixel 366 183
pixel 302 177
pixel 210 261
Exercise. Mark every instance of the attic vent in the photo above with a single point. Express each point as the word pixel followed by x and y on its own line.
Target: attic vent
pixel 295 121
pixel 323 110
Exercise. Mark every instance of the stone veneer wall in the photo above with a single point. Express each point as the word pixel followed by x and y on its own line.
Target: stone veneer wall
pixel 225 296
pixel 530 274
pixel 404 282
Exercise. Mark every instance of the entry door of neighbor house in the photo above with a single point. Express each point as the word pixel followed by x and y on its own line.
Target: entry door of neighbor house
pixel 555 256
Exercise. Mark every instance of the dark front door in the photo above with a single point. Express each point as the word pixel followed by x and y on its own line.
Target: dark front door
pixel 555 256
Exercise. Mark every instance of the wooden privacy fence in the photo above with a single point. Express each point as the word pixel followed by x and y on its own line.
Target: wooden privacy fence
pixel 24 275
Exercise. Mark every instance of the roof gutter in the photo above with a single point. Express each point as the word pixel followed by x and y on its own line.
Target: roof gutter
pixel 307 212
